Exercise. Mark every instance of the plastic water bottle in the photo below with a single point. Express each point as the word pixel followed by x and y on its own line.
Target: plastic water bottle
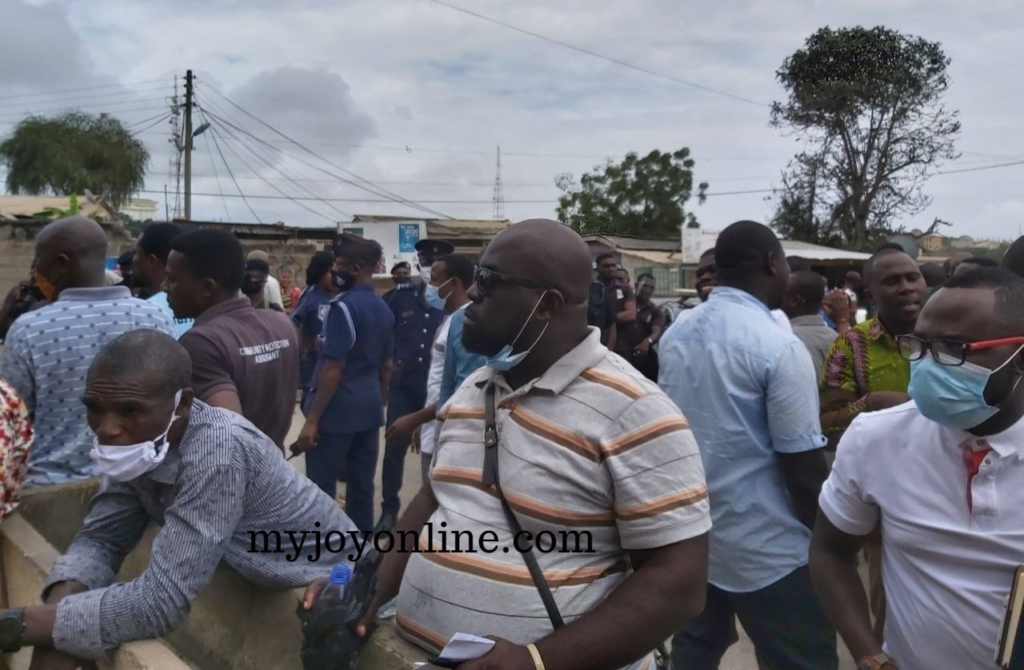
pixel 333 591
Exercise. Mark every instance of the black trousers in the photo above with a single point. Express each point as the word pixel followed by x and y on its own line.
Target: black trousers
pixel 784 621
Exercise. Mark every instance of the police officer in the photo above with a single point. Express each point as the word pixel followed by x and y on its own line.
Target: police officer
pixel 345 409
pixel 416 324
pixel 401 273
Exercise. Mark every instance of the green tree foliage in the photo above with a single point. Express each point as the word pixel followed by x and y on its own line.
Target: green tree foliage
pixel 867 106
pixel 68 154
pixel 645 197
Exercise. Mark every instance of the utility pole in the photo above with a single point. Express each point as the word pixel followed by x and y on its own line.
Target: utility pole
pixel 188 145
pixel 499 192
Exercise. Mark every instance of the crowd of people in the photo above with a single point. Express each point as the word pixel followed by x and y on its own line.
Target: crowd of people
pixel 728 457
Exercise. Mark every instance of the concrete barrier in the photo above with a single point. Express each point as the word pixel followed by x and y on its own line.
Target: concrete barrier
pixel 233 624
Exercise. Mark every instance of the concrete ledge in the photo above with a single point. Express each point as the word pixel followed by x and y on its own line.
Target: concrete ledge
pixel 27 559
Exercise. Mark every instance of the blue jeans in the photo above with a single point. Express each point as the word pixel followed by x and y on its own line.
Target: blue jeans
pixel 404 399
pixel 784 621
pixel 352 456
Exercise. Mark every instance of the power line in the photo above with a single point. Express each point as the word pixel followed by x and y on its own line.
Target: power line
pixel 588 52
pixel 213 164
pixel 215 133
pixel 84 97
pixel 436 202
pixel 981 167
pixel 76 90
pixel 154 124
pixel 34 112
pixel 232 175
pixel 395 197
pixel 280 171
pixel 117 112
pixel 375 191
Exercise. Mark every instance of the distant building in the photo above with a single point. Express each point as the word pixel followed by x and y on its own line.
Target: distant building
pixel 931 242
pixel 962 242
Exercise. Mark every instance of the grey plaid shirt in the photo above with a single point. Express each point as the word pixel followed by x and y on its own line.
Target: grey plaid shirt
pixel 224 480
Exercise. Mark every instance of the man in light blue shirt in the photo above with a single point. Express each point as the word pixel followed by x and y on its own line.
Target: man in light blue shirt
pixel 748 390
pixel 149 269
pixel 49 350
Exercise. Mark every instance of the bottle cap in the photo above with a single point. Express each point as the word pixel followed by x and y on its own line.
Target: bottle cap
pixel 341 574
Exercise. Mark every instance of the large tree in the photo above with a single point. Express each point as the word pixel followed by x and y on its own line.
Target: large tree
pixel 645 196
pixel 74 152
pixel 867 106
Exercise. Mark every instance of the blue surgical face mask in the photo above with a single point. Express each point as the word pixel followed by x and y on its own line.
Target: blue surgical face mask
pixel 505 360
pixel 433 295
pixel 953 396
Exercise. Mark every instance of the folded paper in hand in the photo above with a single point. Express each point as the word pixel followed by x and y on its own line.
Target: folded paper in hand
pixel 463 647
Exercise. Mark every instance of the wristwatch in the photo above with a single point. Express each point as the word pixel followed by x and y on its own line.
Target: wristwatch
pixel 12 628
pixel 877 662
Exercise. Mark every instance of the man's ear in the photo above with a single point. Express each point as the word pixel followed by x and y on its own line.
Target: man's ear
pixel 552 303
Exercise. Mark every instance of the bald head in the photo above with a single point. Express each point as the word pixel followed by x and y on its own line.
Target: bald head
pixel 547 252
pixel 160 363
pixel 71 253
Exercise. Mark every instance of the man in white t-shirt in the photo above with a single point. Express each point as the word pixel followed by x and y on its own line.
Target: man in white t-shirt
pixel 945 475
pixel 149 269
pixel 450 279
pixel 272 289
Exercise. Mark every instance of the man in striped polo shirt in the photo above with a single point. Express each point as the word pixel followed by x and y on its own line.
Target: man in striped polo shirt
pixel 596 463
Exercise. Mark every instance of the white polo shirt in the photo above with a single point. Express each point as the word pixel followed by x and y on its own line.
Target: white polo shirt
pixel 947 570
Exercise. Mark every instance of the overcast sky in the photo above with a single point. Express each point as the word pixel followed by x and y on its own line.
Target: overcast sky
pixel 414 96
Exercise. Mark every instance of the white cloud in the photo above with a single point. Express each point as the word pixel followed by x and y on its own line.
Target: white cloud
pixel 411 73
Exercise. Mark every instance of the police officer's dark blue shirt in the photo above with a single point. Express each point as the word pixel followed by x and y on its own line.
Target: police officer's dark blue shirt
pixel 359 331
pixel 416 324
pixel 309 317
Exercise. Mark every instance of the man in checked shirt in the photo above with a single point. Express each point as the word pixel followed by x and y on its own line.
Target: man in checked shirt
pixel 206 474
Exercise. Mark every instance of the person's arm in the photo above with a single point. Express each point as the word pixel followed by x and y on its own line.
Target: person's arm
pixel 628 313
pixel 451 364
pixel 846 519
pixel 841 398
pixel 197 529
pixel 339 338
pixel 16 366
pixel 657 327
pixel 392 566
pixel 663 523
pixel 13 296
pixel 792 408
pixel 211 379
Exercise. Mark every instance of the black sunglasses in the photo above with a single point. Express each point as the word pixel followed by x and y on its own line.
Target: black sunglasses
pixel 485 280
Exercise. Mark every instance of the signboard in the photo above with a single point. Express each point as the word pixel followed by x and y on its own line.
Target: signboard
pixel 695 242
pixel 397 238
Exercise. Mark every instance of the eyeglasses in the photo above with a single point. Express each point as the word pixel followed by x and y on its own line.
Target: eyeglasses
pixel 946 352
pixel 485 281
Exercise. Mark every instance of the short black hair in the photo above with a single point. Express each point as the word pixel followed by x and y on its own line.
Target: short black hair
pixel 320 264
pixel 458 267
pixel 156 239
pixel 933 273
pixel 257 264
pixel 400 265
pixel 886 250
pixel 741 250
pixel 213 254
pixel 810 286
pixel 982 261
pixel 358 249
pixel 1013 260
pixel 646 275
pixel 603 256
pixel 891 246
pixel 1009 290
pixel 798 264
pixel 708 252
pixel 126 258
pixel 150 353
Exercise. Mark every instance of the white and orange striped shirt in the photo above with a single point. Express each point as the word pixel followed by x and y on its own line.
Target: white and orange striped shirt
pixel 590 448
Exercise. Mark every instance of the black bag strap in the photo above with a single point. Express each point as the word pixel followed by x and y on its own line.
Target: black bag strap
pixel 490 476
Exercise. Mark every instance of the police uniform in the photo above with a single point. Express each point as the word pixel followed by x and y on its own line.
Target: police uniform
pixel 357 330
pixel 416 325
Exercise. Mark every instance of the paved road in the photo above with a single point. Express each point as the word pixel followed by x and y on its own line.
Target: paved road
pixel 739 657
